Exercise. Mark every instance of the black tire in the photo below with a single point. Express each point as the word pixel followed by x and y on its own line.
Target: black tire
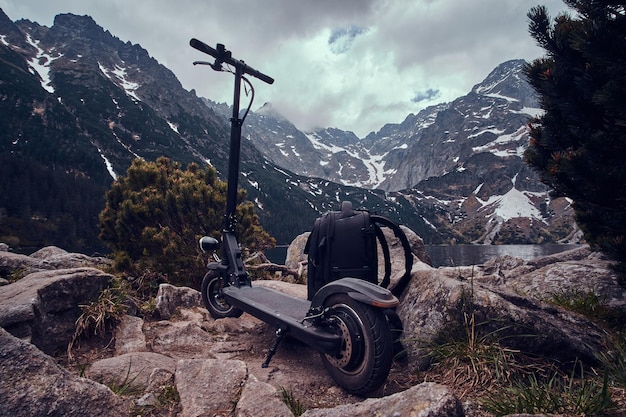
pixel 212 285
pixel 364 361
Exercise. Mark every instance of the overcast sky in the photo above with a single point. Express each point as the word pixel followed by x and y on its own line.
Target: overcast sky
pixel 350 64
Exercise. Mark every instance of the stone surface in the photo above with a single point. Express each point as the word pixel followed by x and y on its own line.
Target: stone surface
pixel 215 365
pixel 260 399
pixel 132 369
pixel 43 306
pixel 209 387
pixel 423 400
pixel 129 336
pixel 32 384
pixel 170 297
pixel 499 297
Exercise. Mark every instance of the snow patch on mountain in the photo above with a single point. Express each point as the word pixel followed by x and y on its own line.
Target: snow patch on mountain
pixel 120 77
pixel 40 64
pixel 514 203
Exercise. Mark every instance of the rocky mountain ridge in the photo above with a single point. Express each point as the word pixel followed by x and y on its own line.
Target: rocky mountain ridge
pixel 459 165
pixel 81 104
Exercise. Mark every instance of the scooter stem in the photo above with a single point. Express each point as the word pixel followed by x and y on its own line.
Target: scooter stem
pixel 233 160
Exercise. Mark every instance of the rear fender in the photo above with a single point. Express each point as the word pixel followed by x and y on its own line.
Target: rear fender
pixel 357 289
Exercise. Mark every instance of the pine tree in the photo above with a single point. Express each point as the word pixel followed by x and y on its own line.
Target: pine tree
pixel 579 144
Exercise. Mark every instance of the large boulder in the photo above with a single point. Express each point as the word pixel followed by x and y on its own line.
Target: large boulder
pixel 209 387
pixel 43 306
pixel 33 384
pixel 505 299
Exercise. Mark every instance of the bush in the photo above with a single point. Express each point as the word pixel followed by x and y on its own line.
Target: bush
pixel 155 215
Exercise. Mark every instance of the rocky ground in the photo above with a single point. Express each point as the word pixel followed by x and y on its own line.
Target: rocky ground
pixel 190 333
pixel 178 361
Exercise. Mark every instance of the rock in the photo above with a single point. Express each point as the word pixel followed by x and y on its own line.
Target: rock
pixel 17 263
pixel 32 384
pixel 48 258
pixel 169 298
pixel 57 258
pixel 159 379
pixel 423 400
pixel 43 307
pixel 417 245
pixel 209 387
pixel 184 339
pixel 260 399
pixel 131 370
pixel 437 300
pixel 577 271
pixel 154 357
pixel 158 382
pixel 129 336
pixel 295 252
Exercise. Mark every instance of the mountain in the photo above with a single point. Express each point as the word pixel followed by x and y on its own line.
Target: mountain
pixel 399 156
pixel 78 105
pixel 458 166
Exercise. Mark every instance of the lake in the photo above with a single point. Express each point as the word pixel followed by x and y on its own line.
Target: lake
pixel 459 255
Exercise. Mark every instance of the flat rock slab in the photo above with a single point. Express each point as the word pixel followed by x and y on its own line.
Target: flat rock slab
pixel 260 399
pixel 131 369
pixel 424 400
pixel 209 387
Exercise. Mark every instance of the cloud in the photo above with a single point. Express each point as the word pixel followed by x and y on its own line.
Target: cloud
pixel 341 40
pixel 427 95
pixel 351 64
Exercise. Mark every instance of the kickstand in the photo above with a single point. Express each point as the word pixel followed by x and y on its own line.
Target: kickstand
pixel 280 335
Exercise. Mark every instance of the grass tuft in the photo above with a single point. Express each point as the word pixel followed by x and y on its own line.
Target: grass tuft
pixel 293 403
pixel 97 316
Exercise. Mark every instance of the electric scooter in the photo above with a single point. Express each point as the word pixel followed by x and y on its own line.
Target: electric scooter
pixel 344 320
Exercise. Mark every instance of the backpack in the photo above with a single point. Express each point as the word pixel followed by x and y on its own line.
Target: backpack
pixel 343 244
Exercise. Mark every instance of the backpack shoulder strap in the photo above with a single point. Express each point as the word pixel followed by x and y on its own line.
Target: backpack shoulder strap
pixel 386 256
pixel 408 256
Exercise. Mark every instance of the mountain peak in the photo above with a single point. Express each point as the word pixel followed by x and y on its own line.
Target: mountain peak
pixel 507 81
pixel 71 26
pixel 267 109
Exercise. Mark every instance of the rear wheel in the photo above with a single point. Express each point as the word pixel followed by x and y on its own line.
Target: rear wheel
pixel 213 298
pixel 364 359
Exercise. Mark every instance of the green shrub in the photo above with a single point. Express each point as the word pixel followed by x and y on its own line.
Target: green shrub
pixel 155 215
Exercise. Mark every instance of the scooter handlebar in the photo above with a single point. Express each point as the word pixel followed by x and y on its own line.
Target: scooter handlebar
pixel 222 55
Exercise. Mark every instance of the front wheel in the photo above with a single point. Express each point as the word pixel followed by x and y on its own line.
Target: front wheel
pixel 213 298
pixel 363 362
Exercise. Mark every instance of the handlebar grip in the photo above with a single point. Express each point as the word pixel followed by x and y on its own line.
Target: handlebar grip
pixel 227 58
pixel 203 47
pixel 259 75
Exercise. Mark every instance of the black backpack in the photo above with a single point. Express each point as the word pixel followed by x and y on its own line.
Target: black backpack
pixel 343 244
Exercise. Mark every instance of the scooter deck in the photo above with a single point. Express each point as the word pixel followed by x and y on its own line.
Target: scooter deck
pixel 283 311
pixel 269 300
